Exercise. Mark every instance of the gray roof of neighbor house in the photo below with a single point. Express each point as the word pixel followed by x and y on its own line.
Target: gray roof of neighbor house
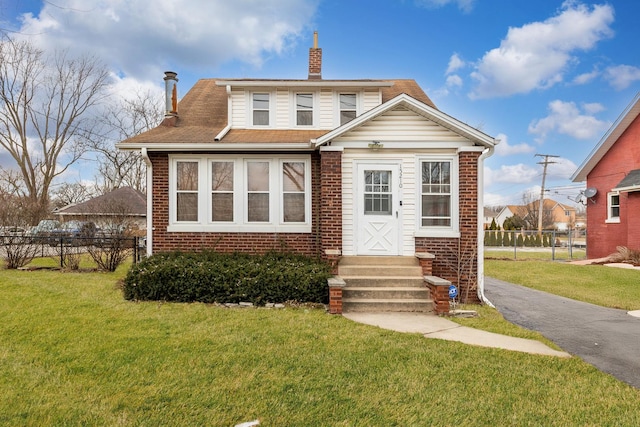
pixel 202 114
pixel 631 182
pixel 125 200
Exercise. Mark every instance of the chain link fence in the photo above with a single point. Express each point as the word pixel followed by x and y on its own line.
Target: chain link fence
pixel 569 245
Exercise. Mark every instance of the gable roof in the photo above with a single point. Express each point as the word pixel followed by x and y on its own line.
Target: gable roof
pixel 125 200
pixel 203 115
pixel 615 131
pixel 418 107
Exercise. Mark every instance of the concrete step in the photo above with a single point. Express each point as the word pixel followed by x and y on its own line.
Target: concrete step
pixel 379 270
pixel 379 260
pixel 386 293
pixel 391 281
pixel 383 305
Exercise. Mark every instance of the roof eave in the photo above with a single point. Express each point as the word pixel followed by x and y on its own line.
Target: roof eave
pixel 305 83
pixel 217 146
pixel 608 139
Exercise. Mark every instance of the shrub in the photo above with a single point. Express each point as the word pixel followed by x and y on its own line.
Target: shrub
pixel 212 277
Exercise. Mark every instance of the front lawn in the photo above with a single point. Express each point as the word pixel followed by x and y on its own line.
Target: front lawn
pixel 595 284
pixel 74 352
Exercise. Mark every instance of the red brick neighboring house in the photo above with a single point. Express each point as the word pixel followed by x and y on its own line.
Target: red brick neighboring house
pixel 323 167
pixel 612 170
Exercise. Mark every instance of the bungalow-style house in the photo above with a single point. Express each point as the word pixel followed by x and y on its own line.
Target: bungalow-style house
pixel 341 169
pixel 124 206
pixel 557 215
pixel 612 197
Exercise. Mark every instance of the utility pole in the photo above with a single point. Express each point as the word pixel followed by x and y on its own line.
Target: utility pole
pixel 545 163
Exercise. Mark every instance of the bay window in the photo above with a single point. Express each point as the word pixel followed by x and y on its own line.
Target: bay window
pixel 227 193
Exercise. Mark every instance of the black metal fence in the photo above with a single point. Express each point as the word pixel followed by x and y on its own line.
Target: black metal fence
pixel 550 244
pixel 61 247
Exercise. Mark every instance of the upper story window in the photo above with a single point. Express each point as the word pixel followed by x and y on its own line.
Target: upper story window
pixel 260 108
pixel 304 109
pixel 613 207
pixel 347 107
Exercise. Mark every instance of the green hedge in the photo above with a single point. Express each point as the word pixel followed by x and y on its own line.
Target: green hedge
pixel 212 277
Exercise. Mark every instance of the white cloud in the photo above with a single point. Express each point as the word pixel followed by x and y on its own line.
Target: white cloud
pixel 536 55
pixel 455 63
pixel 561 168
pixel 586 77
pixel 454 81
pixel 141 39
pixel 504 149
pixel 621 76
pixel 464 5
pixel 512 174
pixel 565 118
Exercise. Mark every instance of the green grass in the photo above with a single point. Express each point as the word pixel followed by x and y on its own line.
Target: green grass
pixel 74 352
pixel 595 284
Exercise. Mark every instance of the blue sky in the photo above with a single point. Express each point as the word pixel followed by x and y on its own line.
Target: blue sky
pixel 545 77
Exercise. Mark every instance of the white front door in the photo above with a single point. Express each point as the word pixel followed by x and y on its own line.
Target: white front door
pixel 377 209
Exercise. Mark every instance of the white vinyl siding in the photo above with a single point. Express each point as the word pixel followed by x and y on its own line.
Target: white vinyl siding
pixel 239 108
pixel 370 99
pixel 401 124
pixel 325 110
pixel 283 108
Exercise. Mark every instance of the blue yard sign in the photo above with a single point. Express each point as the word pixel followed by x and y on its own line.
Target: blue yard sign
pixel 453 291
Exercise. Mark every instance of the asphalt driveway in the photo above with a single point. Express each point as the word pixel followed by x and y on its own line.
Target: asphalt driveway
pixel 607 338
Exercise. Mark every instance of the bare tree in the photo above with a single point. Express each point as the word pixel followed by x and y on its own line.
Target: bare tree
pixel 531 205
pixel 71 193
pixel 119 121
pixel 44 101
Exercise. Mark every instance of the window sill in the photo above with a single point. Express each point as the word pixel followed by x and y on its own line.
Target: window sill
pixel 234 228
pixel 437 233
pixel 612 221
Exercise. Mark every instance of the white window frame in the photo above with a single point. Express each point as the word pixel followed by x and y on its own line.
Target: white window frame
pixel 314 109
pixel 610 218
pixel 339 110
pixel 173 190
pixel 240 221
pixel 452 230
pixel 250 109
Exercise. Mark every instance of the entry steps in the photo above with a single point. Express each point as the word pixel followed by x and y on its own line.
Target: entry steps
pixel 383 284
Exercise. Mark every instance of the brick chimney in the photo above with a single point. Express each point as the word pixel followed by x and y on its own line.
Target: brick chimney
pixel 315 59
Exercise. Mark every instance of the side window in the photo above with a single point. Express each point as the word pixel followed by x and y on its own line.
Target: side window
pixel 436 194
pixel 347 107
pixel 613 207
pixel 260 108
pixel 304 109
pixel 187 191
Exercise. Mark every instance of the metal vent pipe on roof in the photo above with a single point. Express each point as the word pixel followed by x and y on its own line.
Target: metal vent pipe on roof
pixel 171 93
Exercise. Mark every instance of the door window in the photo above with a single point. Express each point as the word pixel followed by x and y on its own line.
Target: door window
pixel 377 192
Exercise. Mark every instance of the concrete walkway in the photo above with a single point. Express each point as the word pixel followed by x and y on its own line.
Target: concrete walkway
pixel 432 326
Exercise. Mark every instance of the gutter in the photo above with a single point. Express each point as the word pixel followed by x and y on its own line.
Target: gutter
pixel 147 161
pixel 227 128
pixel 485 154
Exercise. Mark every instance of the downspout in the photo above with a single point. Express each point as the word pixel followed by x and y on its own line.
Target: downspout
pixel 147 161
pixel 227 128
pixel 486 153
